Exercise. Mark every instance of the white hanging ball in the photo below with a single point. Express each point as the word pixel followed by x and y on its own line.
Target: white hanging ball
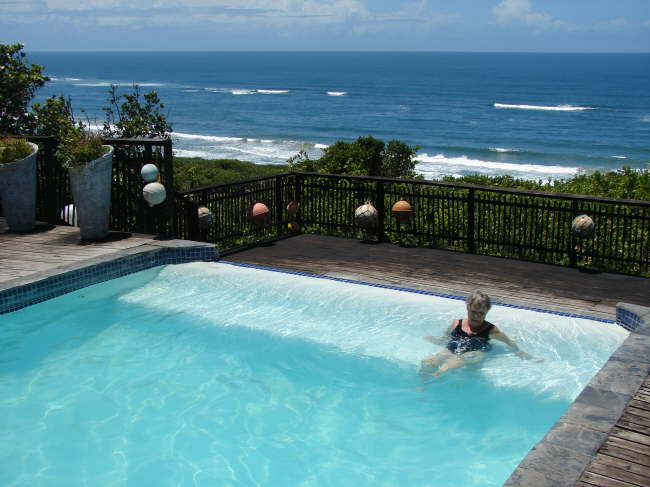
pixel 205 217
pixel 366 216
pixel 149 173
pixel 154 193
pixel 69 215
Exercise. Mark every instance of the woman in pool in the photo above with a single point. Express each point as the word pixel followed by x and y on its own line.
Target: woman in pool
pixel 468 338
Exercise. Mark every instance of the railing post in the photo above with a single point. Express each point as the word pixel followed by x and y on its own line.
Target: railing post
pixel 278 205
pixel 573 255
pixel 471 247
pixel 379 190
pixel 298 198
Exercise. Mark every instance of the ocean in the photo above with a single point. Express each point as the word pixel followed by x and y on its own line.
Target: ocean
pixel 534 116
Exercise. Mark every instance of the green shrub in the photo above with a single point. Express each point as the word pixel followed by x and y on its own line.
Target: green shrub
pixel 19 82
pixel 14 149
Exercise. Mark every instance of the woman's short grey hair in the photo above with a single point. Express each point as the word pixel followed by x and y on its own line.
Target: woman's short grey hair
pixel 478 298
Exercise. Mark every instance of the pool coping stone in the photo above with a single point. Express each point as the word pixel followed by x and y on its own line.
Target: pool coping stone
pixel 43 285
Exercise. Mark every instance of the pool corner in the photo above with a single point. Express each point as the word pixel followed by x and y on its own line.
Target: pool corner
pixel 564 454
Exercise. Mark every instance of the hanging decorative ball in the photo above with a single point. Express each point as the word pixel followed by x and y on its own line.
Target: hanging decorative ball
pixel 583 226
pixel 69 215
pixel 402 211
pixel 292 209
pixel 294 227
pixel 154 193
pixel 366 216
pixel 149 173
pixel 205 217
pixel 259 214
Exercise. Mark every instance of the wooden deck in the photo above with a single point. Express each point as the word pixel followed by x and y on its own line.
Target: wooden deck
pixel 49 247
pixel 624 458
pixel 516 282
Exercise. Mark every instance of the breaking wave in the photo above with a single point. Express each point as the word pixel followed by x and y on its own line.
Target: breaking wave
pixel 555 108
pixel 441 165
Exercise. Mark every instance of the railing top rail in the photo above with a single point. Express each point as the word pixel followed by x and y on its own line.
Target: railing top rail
pixel 140 141
pixel 419 182
pixel 209 187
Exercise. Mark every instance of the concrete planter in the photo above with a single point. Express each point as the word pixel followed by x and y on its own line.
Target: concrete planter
pixel 91 190
pixel 18 192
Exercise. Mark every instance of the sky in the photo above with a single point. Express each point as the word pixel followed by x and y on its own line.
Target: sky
pixel 331 25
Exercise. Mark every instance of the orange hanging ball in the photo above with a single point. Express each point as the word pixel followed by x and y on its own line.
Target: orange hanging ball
pixel 402 211
pixel 259 214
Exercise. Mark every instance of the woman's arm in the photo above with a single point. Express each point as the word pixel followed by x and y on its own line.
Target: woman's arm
pixel 502 337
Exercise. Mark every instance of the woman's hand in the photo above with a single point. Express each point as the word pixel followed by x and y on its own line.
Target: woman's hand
pixel 435 340
pixel 525 356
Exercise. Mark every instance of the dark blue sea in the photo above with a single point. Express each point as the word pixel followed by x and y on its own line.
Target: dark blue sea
pixel 534 116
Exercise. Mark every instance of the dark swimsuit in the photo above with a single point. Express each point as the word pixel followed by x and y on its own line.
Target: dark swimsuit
pixel 461 342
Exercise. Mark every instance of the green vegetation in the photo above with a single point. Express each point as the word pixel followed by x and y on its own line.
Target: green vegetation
pixel 623 183
pixel 79 148
pixel 19 81
pixel 366 156
pixel 192 172
pixel 14 149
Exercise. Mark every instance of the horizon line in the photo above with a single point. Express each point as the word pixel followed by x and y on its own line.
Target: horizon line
pixel 337 51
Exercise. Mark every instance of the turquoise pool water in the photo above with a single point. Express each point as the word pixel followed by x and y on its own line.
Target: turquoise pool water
pixel 213 374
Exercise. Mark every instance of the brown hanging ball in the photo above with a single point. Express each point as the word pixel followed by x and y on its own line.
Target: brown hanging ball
pixel 402 211
pixel 292 210
pixel 259 214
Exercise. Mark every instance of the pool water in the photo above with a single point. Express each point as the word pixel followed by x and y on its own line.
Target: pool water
pixel 220 375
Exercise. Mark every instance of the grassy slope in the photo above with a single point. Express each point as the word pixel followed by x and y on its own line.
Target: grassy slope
pixel 191 172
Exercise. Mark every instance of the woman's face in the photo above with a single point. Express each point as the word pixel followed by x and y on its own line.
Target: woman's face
pixel 476 313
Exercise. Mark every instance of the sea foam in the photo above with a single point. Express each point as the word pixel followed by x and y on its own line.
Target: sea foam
pixel 555 108
pixel 441 165
pixel 337 93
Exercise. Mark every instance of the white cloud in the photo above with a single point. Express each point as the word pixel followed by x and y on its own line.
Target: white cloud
pixel 521 11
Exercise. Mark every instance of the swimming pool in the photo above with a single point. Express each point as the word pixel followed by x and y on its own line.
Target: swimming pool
pixel 216 374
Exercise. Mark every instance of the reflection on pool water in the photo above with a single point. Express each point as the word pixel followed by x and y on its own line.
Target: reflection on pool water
pixel 214 374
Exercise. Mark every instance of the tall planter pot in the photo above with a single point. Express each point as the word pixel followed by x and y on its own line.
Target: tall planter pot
pixel 91 190
pixel 18 192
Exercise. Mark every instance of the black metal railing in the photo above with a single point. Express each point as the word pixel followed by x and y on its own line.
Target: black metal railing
pixel 519 224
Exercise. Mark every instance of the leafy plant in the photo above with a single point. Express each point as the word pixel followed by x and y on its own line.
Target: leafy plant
pixel 54 118
pixel 14 149
pixel 19 81
pixel 80 147
pixel 130 116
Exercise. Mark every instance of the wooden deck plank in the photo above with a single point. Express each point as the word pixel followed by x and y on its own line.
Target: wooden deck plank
pixel 644 430
pixel 625 454
pixel 593 479
pixel 640 405
pixel 638 420
pixel 628 445
pixel 638 412
pixel 630 467
pixel 618 474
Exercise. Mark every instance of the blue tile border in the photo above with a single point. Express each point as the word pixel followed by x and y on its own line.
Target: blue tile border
pixel 25 295
pixel 415 291
pixel 632 317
